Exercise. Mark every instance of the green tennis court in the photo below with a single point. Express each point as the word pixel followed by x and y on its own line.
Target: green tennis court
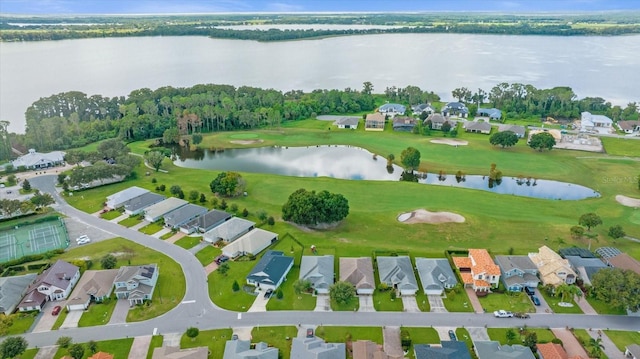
pixel 32 239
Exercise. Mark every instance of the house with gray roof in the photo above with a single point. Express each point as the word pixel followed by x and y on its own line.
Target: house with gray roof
pixel 404 123
pixel 493 350
pixel 477 127
pixel 34 160
pixel 270 271
pixel 585 268
pixel 316 348
pixel 136 283
pixel 118 199
pixel 614 258
pixel 137 205
pixel 436 120
pixel 182 215
pixel 229 231
pixel 205 222
pixel 455 109
pixel 491 113
pixel 318 270
pixel 422 108
pixel 55 283
pixel 392 109
pixel 174 352
pixel 435 275
pixel 597 123
pixel 449 349
pixel 520 131
pixel 359 272
pixel 347 122
pixel 241 349
pixel 397 273
pixel 160 209
pixel 632 351
pixel 95 285
pixel 12 289
pixel 629 127
pixel 253 242
pixel 517 272
pixel 374 122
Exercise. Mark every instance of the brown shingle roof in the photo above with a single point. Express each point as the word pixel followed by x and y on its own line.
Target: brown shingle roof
pixel 625 261
pixel 101 355
pixel 357 271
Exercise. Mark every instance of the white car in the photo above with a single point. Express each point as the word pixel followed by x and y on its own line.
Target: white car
pixel 502 314
pixel 84 241
pixel 83 238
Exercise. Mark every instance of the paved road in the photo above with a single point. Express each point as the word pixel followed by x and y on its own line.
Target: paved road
pixel 198 310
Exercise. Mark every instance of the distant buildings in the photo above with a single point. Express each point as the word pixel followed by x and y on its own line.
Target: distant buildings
pixel 35 160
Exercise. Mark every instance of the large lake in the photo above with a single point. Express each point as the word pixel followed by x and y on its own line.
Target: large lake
pixel 593 66
pixel 353 163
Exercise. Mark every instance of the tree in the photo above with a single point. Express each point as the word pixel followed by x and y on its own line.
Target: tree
pixel 577 232
pixel 504 139
pixel 461 94
pixel 619 288
pixel 223 204
pixel 171 136
pixel 342 292
pixel 26 185
pixel 567 292
pixel 193 332
pixel 223 269
pixel 193 195
pixel 233 208
pixel 175 190
pixel 92 346
pixel 511 335
pixel 530 340
pixel 12 347
pixel 390 159
pixel 113 148
pixel 271 221
pixel 590 220
pixel 245 212
pixel 64 342
pixel 235 286
pixel 541 141
pixel 41 200
pixel 301 286
pixel 228 184
pixel 109 261
pixel 196 138
pixel 154 159
pixel 446 127
pixel 262 215
pixel 76 351
pixel 5 323
pixel 596 348
pixel 410 159
pixel 203 198
pixel 311 208
pixel 279 294
pixel 616 232
pixel 367 88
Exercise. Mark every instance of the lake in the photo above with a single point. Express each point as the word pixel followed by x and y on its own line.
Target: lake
pixel 593 66
pixel 353 163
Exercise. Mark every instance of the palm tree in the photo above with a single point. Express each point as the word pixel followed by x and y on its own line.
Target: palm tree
pixel 566 291
pixel 596 347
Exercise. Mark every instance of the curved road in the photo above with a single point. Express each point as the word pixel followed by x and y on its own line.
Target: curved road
pixel 197 309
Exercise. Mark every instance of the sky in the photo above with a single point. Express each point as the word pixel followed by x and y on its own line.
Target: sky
pixel 76 7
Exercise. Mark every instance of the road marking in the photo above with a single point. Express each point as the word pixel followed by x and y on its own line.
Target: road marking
pixel 188 301
pixel 239 316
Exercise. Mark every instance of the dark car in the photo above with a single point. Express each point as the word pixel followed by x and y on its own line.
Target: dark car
pixel 535 300
pixel 234 337
pixel 452 335
pixel 56 310
pixel 268 293
pixel 221 259
pixel 309 333
pixel 529 291
pixel 522 315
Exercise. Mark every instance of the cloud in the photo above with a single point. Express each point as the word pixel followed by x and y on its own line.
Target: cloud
pixel 283 7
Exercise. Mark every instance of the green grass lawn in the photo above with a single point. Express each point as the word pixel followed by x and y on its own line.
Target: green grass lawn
pixel 515 302
pixel 214 339
pixel 623 338
pixel 421 336
pixel 156 342
pixel 621 146
pixel 207 254
pixel 21 322
pixel 187 242
pixel 463 335
pixel 583 338
pixel 169 235
pixel 553 304
pixel 604 308
pixel 221 291
pixel 97 314
pixel 130 222
pixel 333 334
pixel 170 287
pixel 423 302
pixel 352 306
pixel 152 228
pixel 382 301
pixel 119 348
pixel 500 335
pixel 279 337
pixel 29 353
pixel 457 301
pixel 111 215
pixel 61 317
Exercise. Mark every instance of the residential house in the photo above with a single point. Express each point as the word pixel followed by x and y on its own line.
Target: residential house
pixel 347 122
pixel 629 126
pixel 270 271
pixel 520 131
pixel 160 209
pixel 253 243
pixel 449 349
pixel 435 275
pixel 359 272
pixel 615 258
pixel 478 270
pixel 94 285
pixel 374 122
pixel 455 109
pixel 229 231
pixel 493 350
pixel 554 351
pixel 404 123
pixel 318 270
pixel 35 160
pixel 392 109
pixel 118 199
pixel 101 355
pixel 583 262
pixel 422 108
pixel 205 222
pixel 397 273
pixel 137 205
pixel 477 127
pixel 517 272
pixel 553 269
pixel 366 349
pixel 492 113
pixel 55 283
pixel 12 289
pixel 174 352
pixel 136 283
pixel 316 348
pixel 436 120
pixel 632 351
pixel 241 349
pixel 598 123
pixel 182 215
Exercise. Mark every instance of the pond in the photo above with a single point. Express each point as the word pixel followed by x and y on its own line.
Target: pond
pixel 353 163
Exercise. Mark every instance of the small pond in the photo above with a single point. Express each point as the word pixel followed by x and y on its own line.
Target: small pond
pixel 353 163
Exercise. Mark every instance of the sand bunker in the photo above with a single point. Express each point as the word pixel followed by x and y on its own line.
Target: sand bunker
pixel 246 142
pixel 628 201
pixel 450 142
pixel 424 216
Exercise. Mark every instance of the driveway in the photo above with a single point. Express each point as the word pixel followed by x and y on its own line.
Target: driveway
pixel 140 347
pixel 323 303
pixel 410 304
pixel 71 321
pixel 45 320
pixel 478 334
pixel 46 352
pixel 161 232
pixel 544 306
pixel 119 315
pixel 569 342
pixel 443 332
pixel 475 303
pixel 366 303
pixel 175 237
pixel 244 333
pixel 260 303
pixel 609 347
pixel 436 304
pixel 585 306
pixel 391 338
pixel 117 219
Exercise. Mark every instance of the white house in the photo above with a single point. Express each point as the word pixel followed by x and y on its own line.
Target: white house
pixel 392 109
pixel 160 209
pixel 599 123
pixel 55 283
pixel 252 242
pixel 118 199
pixel 35 160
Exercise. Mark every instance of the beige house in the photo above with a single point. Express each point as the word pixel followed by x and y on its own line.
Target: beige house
pixel 374 122
pixel 366 349
pixel 169 352
pixel 553 269
pixel 93 285
pixel 359 272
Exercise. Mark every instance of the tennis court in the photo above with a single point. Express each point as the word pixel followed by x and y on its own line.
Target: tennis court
pixel 32 239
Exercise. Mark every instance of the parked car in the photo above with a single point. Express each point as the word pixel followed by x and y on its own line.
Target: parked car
pixel 309 333
pixel 268 293
pixel 535 300
pixel 84 241
pixel 502 314
pixel 221 259
pixel 522 315
pixel 452 335
pixel 529 291
pixel 82 238
pixel 56 310
pixel 234 336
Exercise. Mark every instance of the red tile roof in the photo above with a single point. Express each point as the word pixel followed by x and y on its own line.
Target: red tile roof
pixel 552 351
pixel 483 262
